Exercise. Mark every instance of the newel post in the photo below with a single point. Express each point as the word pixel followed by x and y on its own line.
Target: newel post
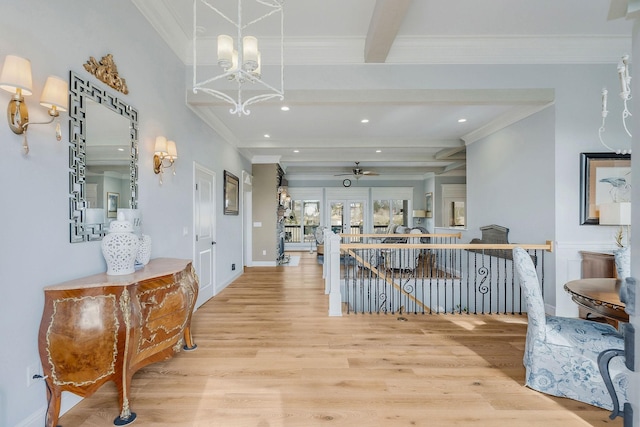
pixel 335 298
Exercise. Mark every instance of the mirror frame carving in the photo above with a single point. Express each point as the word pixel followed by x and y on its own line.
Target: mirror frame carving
pixel 81 90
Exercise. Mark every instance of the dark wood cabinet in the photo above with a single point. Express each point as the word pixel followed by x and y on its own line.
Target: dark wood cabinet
pixel 598 264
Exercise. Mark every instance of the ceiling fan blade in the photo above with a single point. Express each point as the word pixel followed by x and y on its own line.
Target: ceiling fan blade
pixel 343 174
pixel 370 173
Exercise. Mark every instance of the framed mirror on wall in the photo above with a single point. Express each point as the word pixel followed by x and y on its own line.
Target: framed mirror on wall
pixel 103 158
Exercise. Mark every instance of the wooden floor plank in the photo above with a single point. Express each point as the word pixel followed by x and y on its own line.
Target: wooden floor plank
pixel 269 356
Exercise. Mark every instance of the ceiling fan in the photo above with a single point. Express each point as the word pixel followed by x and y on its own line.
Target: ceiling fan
pixel 357 172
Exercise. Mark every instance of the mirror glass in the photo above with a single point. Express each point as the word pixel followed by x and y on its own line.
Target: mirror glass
pixel 103 156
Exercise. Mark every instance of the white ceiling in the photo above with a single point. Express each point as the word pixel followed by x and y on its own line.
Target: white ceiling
pixel 345 60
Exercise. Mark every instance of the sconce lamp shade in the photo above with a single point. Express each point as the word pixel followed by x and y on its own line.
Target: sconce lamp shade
pixel 16 74
pixel 172 151
pixel 419 213
pixel 164 150
pixel 161 146
pixel 55 94
pixel 615 213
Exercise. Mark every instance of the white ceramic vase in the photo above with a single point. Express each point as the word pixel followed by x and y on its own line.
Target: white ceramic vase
pixel 144 251
pixel 120 247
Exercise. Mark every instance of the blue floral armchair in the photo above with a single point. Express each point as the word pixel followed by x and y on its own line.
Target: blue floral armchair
pixel 561 353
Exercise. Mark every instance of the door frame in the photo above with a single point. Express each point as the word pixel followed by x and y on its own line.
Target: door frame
pixel 246 188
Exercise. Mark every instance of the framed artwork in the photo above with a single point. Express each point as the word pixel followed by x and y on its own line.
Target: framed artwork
pixel 604 178
pixel 231 193
pixel 112 204
pixel 429 205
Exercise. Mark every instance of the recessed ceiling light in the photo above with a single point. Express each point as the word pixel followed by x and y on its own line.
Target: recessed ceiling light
pixel 364 121
pixel 120 149
pixel 266 135
pixel 296 151
pixel 284 108
pixel 462 120
pixel 378 151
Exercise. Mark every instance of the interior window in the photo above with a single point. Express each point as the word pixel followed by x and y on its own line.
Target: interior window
pixel 387 212
pixel 302 221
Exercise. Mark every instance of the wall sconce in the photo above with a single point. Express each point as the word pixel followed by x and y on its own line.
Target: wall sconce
pixel 164 150
pixel 419 214
pixel 16 79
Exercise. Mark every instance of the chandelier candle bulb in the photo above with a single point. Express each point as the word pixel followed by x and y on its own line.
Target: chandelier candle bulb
pixel 250 53
pixel 604 102
pixel 623 72
pixel 225 51
pixel 258 71
pixel 234 62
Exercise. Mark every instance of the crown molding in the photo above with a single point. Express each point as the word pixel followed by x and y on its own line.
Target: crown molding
pixel 510 117
pixel 571 49
pixel 265 160
pixel 165 23
pixel 483 50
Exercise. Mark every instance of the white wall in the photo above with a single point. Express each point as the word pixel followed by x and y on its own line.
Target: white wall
pixel 35 251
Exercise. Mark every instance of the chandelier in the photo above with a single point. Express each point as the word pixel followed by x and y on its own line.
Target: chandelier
pixel 239 79
pixel 625 94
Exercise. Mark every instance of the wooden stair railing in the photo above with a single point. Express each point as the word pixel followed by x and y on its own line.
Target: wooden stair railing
pixel 386 278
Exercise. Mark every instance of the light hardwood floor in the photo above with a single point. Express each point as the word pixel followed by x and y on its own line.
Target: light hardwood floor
pixel 269 356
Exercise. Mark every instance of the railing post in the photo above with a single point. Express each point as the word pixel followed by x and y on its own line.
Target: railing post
pixel 326 259
pixel 335 298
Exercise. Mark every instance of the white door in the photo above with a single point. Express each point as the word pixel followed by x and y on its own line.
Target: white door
pixel 204 221
pixel 347 216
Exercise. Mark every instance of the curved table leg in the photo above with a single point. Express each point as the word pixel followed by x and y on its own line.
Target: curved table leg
pixel 603 365
pixel 53 397
pixel 189 345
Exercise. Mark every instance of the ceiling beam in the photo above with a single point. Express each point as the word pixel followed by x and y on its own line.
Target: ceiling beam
pixel 383 28
pixel 458 153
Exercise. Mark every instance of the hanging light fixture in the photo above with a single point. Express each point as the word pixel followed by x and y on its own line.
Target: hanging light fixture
pixel 625 94
pixel 239 59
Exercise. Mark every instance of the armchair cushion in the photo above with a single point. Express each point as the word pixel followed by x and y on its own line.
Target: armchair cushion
pixel 561 353
pixel 565 364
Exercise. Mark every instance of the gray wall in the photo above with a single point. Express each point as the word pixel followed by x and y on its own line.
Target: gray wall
pixel 510 184
pixel 58 37
pixel 265 212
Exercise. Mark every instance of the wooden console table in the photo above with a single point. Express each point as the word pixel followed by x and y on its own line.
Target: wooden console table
pixel 104 328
